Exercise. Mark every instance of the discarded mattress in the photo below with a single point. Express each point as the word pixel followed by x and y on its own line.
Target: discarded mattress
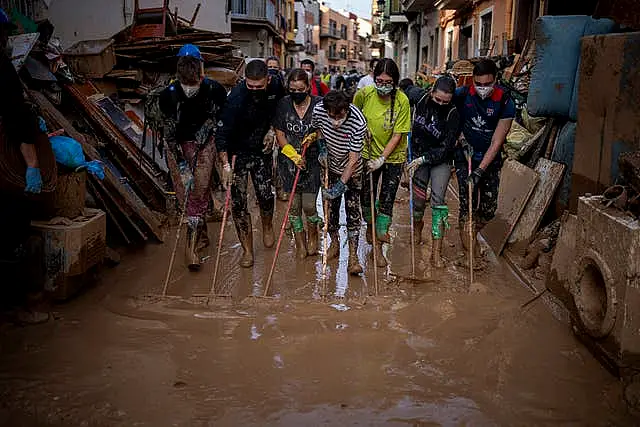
pixel 553 89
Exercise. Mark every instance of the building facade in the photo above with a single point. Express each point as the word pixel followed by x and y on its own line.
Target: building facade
pixel 339 41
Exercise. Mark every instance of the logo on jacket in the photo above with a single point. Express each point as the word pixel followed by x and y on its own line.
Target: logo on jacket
pixel 478 121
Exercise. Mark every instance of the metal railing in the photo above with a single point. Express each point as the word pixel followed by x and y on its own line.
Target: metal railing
pixel 254 9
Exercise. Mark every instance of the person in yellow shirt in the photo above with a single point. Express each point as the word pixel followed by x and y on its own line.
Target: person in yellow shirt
pixel 388 115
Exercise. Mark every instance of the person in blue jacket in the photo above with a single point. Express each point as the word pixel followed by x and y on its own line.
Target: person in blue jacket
pixel 486 112
pixel 244 123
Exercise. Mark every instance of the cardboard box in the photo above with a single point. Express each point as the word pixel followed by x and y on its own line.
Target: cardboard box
pixel 608 117
pixel 71 249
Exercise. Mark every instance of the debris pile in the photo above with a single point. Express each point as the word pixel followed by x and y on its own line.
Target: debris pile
pixel 94 92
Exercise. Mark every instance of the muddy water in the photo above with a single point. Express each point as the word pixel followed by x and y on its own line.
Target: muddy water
pixel 421 353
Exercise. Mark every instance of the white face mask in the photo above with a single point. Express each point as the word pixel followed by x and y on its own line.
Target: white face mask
pixel 338 123
pixel 484 91
pixel 190 91
pixel 310 75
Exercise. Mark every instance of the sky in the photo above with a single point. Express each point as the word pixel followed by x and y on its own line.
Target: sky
pixel 362 8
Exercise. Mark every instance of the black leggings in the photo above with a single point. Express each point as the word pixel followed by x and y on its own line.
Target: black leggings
pixel 390 174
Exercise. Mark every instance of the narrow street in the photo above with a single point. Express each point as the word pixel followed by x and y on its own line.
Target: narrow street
pixel 423 354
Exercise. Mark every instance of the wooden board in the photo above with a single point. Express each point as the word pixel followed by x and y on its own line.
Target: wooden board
pixel 550 174
pixel 517 183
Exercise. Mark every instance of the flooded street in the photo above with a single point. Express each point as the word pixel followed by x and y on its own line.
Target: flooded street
pixel 421 353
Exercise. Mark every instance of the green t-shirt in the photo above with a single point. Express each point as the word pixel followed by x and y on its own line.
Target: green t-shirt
pixel 381 126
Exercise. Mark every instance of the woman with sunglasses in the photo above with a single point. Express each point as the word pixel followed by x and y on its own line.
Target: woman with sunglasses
pixel 388 117
pixel 433 139
pixel 292 121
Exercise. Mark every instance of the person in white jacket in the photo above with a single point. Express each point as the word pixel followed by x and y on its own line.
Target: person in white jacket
pixel 368 79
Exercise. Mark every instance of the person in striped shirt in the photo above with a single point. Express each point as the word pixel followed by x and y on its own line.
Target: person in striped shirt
pixel 343 129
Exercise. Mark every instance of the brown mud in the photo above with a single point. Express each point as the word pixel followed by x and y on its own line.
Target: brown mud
pixel 421 353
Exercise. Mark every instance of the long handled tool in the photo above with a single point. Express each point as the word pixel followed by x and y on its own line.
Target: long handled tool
pixel 413 244
pixel 373 225
pixel 175 244
pixel 284 225
pixel 225 214
pixel 471 227
pixel 325 232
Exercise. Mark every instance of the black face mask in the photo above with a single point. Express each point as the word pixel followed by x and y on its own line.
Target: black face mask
pixel 437 107
pixel 257 95
pixel 273 72
pixel 298 97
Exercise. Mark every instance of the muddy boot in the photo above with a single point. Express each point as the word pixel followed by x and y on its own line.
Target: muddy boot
pixel 298 233
pixel 204 237
pixel 334 249
pixel 439 222
pixel 418 225
pixel 353 267
pixel 192 259
pixel 436 253
pixel 381 261
pixel 246 240
pixel 383 222
pixel 312 235
pixel 369 233
pixel 267 231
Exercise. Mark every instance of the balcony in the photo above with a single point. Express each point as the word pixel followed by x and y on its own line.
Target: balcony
pixel 329 32
pixel 428 5
pixel 255 12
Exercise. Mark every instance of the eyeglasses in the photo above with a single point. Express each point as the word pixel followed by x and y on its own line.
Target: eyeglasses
pixel 380 82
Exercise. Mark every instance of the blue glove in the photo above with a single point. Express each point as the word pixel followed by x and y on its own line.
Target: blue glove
pixel 34 181
pixel 335 191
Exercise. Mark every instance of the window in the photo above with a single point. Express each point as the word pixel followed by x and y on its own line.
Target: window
pixel 449 45
pixel 343 52
pixel 343 32
pixel 295 22
pixel 486 19
pixel 463 41
pixel 333 27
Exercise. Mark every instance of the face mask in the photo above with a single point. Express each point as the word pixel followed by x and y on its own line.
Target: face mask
pixel 484 91
pixel 384 90
pixel 190 91
pixel 257 94
pixel 338 123
pixel 298 97
pixel 310 75
pixel 273 72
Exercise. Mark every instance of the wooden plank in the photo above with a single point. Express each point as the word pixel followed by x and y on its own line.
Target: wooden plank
pixel 116 188
pixel 517 183
pixel 104 205
pixel 550 174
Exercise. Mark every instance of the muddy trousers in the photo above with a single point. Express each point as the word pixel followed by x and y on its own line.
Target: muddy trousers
pixel 439 176
pixel 304 202
pixel 485 196
pixel 351 202
pixel 390 174
pixel 259 166
pixel 195 164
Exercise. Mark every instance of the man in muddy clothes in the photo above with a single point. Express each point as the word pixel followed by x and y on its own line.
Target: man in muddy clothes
pixel 486 112
pixel 190 108
pixel 244 122
pixel 343 129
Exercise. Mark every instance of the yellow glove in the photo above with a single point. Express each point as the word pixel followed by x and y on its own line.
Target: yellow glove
pixel 291 153
pixel 310 138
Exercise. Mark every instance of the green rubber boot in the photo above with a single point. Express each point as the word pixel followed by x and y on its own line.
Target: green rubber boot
pixel 298 232
pixel 439 221
pixel 383 222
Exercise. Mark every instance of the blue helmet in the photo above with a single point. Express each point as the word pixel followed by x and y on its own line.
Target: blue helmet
pixel 4 18
pixel 190 50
